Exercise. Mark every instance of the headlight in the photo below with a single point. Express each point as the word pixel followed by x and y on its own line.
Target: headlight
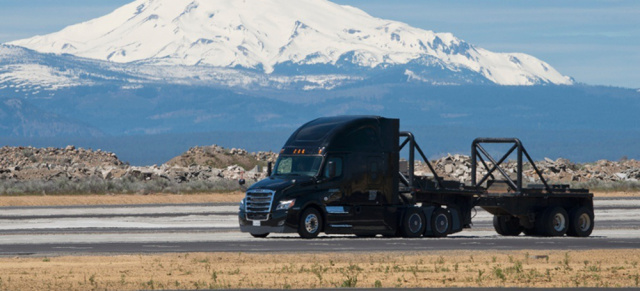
pixel 286 204
pixel 242 204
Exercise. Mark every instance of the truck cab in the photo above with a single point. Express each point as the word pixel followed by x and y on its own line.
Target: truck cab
pixel 333 175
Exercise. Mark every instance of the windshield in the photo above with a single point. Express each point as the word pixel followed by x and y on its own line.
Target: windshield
pixel 298 165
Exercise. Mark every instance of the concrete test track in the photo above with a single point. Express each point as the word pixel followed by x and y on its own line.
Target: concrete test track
pixel 45 231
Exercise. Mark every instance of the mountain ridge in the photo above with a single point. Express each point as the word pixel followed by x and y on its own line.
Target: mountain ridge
pixel 262 35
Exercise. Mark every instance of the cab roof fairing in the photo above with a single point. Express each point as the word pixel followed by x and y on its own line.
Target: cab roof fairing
pixel 327 132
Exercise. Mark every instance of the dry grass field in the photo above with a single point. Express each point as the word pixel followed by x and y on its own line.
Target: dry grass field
pixel 128 199
pixel 607 268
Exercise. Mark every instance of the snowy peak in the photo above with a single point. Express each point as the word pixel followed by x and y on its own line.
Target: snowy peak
pixel 261 34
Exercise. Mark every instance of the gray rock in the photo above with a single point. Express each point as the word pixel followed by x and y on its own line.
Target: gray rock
pixel 448 168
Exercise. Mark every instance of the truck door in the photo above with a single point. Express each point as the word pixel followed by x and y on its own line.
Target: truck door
pixel 369 203
pixel 339 212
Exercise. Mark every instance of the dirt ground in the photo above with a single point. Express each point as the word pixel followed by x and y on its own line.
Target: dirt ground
pixel 129 199
pixel 599 268
pixel 120 199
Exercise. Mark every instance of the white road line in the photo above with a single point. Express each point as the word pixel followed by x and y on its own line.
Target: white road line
pixel 76 211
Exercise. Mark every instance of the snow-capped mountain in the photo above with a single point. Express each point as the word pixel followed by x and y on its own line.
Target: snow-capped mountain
pixel 30 73
pixel 273 35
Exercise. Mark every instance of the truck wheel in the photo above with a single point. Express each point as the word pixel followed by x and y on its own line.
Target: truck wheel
pixel 554 221
pixel 310 223
pixel 507 225
pixel 259 235
pixel 440 222
pixel 580 222
pixel 413 223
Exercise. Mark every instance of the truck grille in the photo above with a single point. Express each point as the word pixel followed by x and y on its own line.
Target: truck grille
pixel 258 204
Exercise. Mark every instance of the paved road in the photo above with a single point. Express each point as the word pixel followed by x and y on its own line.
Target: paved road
pixel 213 228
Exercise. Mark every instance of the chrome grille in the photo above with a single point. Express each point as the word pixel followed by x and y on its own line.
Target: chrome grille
pixel 258 204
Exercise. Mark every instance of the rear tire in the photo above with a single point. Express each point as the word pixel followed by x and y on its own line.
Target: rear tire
pixel 259 235
pixel 440 222
pixel 554 221
pixel 413 223
pixel 580 222
pixel 507 225
pixel 310 223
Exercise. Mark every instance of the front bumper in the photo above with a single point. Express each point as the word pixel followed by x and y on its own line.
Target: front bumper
pixel 279 222
pixel 266 229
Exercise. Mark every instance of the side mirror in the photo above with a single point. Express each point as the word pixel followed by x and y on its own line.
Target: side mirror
pixel 269 169
pixel 241 181
pixel 331 167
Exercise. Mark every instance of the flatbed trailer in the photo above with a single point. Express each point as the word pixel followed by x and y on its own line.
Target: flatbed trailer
pixel 349 182
pixel 539 209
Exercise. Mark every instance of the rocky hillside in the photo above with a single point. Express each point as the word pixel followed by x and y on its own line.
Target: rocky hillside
pixel 28 163
pixel 211 163
pixel 218 157
pixel 47 170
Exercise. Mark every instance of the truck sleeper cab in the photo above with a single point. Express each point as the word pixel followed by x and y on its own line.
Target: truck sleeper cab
pixel 341 175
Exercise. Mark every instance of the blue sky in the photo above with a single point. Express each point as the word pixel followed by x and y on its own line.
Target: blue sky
pixel 595 41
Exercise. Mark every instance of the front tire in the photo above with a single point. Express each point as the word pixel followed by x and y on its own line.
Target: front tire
pixel 580 222
pixel 413 223
pixel 310 223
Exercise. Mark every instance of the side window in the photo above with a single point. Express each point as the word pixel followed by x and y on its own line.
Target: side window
pixel 336 161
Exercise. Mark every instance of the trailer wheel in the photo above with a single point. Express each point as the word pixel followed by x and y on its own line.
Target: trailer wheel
pixel 310 223
pixel 580 222
pixel 413 223
pixel 440 222
pixel 554 221
pixel 507 225
pixel 259 235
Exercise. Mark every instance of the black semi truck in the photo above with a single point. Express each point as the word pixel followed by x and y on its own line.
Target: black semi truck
pixel 342 175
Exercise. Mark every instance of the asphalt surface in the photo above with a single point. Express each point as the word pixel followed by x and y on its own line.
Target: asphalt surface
pixel 123 229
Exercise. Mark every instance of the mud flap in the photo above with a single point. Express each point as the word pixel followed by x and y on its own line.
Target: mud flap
pixel 456 226
pixel 428 211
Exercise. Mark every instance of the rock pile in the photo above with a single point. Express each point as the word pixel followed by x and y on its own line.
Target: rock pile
pixel 218 157
pixel 217 164
pixel 28 163
pixel 458 167
pixel 211 163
